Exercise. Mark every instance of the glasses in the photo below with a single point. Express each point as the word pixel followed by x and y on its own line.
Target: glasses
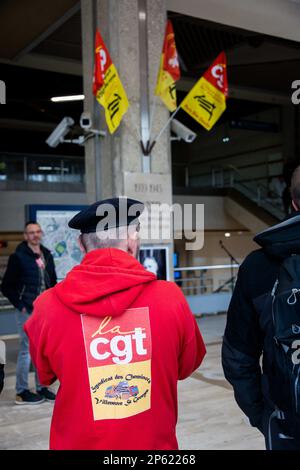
pixel 38 232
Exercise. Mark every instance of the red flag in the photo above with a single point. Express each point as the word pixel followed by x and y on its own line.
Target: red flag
pixel 216 74
pixel 207 99
pixel 107 86
pixel 171 63
pixel 169 71
pixel 102 63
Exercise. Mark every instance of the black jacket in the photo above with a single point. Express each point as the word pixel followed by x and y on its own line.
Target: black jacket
pixel 21 283
pixel 247 333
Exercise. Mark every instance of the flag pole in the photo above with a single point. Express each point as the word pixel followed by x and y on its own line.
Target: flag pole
pixel 149 146
pixel 163 129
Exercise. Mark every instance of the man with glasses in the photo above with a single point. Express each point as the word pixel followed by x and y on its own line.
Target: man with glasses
pixel 30 271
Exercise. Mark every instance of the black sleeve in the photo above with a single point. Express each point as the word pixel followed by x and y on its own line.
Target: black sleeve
pixel 51 270
pixel 241 351
pixel 10 286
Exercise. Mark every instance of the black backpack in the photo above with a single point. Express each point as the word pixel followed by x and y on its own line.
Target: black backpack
pixel 284 379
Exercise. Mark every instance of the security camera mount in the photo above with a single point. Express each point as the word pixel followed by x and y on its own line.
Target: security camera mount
pixel 182 132
pixel 63 128
pixel 81 140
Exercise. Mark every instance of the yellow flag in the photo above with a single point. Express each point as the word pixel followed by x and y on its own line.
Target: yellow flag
pixel 207 99
pixel 107 86
pixel 169 71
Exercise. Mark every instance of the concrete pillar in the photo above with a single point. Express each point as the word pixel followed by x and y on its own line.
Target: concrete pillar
pixel 93 162
pixel 118 21
pixel 133 31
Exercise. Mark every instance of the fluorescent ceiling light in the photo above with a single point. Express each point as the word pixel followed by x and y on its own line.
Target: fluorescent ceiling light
pixel 60 99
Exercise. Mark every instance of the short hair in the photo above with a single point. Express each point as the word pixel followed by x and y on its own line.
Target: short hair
pixel 30 222
pixel 111 238
pixel 295 186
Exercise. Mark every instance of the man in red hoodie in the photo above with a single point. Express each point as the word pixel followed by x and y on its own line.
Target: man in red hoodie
pixel 116 338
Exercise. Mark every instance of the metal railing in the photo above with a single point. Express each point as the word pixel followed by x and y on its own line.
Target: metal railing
pixel 207 293
pixel 199 280
pixel 19 171
pixel 258 192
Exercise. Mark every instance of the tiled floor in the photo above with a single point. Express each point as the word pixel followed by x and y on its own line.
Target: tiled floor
pixel 208 416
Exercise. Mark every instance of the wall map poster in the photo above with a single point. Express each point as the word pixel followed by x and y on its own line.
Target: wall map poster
pixel 57 236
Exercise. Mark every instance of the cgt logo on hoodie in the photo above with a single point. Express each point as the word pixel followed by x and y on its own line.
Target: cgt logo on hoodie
pixel 118 352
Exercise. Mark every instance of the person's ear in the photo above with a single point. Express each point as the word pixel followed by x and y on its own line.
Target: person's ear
pixel 133 246
pixel 81 246
pixel 295 206
pixel 25 236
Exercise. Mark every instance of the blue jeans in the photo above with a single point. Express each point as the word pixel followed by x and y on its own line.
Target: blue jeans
pixel 24 360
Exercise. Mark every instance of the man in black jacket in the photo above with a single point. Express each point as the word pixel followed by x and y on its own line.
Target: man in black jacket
pixel 29 272
pixel 248 333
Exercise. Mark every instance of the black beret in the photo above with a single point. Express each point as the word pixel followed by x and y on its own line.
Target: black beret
pixel 109 213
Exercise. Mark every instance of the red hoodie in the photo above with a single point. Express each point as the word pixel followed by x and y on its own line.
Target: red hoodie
pixel 117 339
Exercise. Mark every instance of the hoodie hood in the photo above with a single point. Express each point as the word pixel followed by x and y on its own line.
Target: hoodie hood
pixel 106 283
pixel 283 239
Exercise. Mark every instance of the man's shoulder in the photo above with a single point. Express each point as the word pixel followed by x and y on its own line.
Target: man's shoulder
pixel 258 272
pixel 46 250
pixel 258 258
pixel 19 251
pixel 254 257
pixel 166 290
pixel 167 286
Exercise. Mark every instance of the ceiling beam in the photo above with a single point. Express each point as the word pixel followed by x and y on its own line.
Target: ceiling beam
pixel 26 125
pixel 24 24
pixel 50 64
pixel 37 126
pixel 45 34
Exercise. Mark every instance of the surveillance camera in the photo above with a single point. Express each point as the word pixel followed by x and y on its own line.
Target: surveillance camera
pixel 86 121
pixel 182 131
pixel 57 136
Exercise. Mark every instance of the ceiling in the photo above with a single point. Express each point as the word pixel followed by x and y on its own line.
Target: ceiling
pixel 27 24
pixel 254 60
pixel 43 59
